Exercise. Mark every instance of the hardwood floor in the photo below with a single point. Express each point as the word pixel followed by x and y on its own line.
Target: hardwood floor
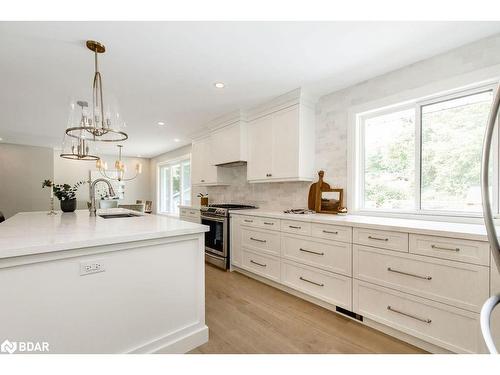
pixel 246 316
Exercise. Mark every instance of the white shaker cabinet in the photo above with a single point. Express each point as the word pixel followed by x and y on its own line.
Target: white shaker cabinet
pixel 414 286
pixel 281 145
pixel 203 172
pixel 260 148
pixel 286 143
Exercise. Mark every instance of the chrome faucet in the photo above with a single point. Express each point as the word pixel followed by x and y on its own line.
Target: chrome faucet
pixel 92 185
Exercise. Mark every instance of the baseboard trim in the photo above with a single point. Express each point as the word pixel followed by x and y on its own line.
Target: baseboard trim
pixel 179 342
pixel 427 346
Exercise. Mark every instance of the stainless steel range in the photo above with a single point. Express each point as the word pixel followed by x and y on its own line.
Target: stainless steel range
pixel 216 216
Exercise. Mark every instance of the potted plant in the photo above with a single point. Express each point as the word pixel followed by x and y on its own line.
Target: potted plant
pixel 65 193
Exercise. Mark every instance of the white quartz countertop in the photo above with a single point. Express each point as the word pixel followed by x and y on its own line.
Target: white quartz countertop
pixel 36 232
pixel 434 228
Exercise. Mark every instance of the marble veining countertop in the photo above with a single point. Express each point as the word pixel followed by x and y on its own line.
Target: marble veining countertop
pixel 36 232
pixel 435 228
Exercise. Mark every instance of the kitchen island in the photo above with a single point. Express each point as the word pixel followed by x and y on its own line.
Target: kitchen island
pixel 102 285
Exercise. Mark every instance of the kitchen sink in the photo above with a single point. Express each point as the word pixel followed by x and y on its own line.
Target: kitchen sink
pixel 116 216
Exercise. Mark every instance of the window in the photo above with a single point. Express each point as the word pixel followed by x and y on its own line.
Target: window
pixel 389 160
pixel 424 157
pixel 174 185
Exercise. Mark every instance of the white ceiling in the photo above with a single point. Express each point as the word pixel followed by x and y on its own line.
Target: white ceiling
pixel 164 71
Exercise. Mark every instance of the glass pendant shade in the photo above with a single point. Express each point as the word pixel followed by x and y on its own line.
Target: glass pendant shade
pixel 82 147
pixel 101 123
pixel 78 149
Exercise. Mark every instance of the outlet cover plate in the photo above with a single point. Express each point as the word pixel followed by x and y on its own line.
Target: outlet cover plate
pixel 92 266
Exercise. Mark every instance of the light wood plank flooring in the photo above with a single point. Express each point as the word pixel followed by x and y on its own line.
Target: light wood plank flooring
pixel 247 316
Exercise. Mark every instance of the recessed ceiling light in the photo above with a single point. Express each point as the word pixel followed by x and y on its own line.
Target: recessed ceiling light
pixel 161 123
pixel 1 139
pixel 219 85
pixel 177 140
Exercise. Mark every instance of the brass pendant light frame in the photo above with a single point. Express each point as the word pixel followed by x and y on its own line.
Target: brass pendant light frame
pixel 121 172
pixel 82 152
pixel 98 129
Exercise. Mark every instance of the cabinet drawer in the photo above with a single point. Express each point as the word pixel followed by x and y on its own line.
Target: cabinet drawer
pixel 297 227
pixel 261 222
pixel 263 265
pixel 451 248
pixel 264 241
pixel 332 232
pixel 381 238
pixel 458 284
pixel 189 212
pixel 329 255
pixel 329 287
pixel 445 326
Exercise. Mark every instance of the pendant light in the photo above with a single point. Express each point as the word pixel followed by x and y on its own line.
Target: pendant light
pixel 100 125
pixel 119 167
pixel 79 148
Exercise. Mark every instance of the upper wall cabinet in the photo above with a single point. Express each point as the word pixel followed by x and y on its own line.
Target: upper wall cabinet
pixel 229 144
pixel 203 173
pixel 281 143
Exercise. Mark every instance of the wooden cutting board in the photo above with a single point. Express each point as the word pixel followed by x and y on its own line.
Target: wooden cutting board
pixel 314 188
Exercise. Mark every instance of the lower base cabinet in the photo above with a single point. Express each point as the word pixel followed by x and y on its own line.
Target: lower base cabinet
pixel 263 265
pixel 329 287
pixel 448 327
pixel 428 288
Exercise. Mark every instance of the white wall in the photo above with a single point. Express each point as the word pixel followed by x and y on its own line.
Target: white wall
pixel 72 171
pixel 153 165
pixel 22 171
pixel 332 115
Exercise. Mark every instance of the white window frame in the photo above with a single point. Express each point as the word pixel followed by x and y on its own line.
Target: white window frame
pixel 159 166
pixel 357 157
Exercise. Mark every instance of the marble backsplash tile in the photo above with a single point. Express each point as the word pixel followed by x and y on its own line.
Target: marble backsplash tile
pixel 271 196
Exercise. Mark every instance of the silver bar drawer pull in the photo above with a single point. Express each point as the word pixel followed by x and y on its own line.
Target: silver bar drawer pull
pixel 409 274
pixel 445 248
pixel 310 251
pixel 257 263
pixel 428 321
pixel 293 227
pixel 256 239
pixel 267 223
pixel 378 238
pixel 330 232
pixel 248 221
pixel 311 282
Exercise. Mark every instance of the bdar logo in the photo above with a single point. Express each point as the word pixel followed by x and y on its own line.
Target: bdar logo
pixel 8 347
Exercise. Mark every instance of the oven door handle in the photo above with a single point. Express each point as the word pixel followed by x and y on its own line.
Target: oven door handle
pixel 213 218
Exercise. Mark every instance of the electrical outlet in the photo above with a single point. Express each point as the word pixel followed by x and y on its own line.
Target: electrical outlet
pixel 93 266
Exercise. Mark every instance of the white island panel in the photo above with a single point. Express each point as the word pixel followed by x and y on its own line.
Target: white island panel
pixel 149 297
